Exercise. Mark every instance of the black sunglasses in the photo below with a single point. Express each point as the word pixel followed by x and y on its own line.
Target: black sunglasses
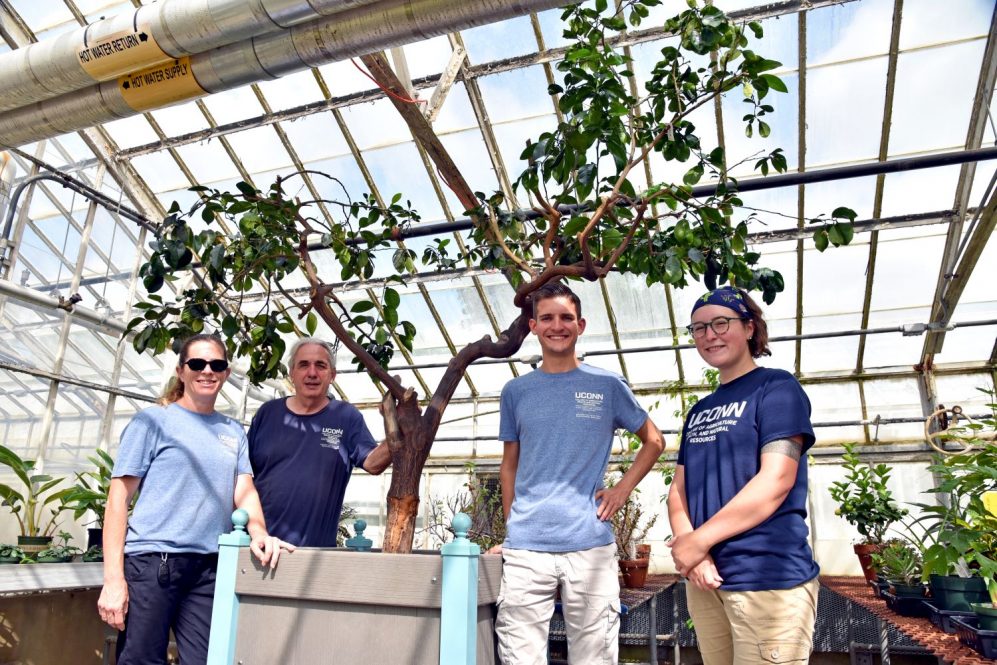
pixel 198 364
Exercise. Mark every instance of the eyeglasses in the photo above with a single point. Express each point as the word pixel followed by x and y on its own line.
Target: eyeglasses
pixel 720 325
pixel 198 364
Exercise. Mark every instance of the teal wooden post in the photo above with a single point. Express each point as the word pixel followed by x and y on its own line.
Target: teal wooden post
pixel 459 602
pixel 225 611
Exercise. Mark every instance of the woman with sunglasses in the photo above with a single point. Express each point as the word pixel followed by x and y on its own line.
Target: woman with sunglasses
pixel 737 506
pixel 191 464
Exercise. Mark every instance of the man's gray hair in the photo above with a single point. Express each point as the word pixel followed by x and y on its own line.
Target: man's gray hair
pixel 304 341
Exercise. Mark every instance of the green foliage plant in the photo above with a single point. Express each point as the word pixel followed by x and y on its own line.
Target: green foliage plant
pixel 37 503
pixel 962 524
pixel 11 554
pixel 94 554
pixel 91 488
pixel 864 499
pixel 589 217
pixel 63 551
pixel 899 562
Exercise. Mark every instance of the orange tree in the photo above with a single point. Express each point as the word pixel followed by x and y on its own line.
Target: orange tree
pixel 589 217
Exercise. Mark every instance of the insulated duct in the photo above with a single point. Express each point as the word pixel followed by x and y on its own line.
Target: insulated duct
pixel 150 35
pixel 343 35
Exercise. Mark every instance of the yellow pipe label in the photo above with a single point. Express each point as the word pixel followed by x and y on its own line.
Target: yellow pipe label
pixel 119 53
pixel 990 502
pixel 161 85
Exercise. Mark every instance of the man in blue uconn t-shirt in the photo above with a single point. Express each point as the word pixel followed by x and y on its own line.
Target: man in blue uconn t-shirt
pixel 303 449
pixel 558 424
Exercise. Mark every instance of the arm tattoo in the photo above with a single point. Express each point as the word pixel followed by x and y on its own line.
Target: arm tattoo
pixel 786 447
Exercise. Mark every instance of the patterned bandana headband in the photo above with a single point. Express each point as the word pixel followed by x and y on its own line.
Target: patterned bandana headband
pixel 725 296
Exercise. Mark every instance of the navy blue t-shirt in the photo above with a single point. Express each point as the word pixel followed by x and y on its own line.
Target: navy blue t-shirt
pixel 721 451
pixel 302 465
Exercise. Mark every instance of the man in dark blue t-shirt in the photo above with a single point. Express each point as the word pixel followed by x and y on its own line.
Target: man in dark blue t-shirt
pixel 303 449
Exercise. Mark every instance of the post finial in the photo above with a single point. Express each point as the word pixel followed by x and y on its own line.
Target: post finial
pixel 461 525
pixel 240 518
pixel 359 542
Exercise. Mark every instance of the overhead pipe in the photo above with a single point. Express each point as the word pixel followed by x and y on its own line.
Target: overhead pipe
pixel 343 35
pixel 150 35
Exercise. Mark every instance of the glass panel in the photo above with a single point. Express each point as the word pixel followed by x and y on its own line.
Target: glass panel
pixel 291 90
pixel 497 41
pixel 25 397
pixel 233 105
pixel 849 31
pixel 834 403
pixel 180 119
pixel 926 22
pixel 894 398
pixel 79 413
pixel 427 57
pixel 951 74
pixel 832 136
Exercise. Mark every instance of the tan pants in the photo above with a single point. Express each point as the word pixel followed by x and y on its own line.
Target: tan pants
pixel 754 627
pixel 590 601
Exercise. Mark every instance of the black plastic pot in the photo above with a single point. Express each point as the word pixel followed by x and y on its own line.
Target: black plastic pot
pixel 957 594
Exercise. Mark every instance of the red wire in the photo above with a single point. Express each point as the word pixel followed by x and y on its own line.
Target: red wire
pixel 386 90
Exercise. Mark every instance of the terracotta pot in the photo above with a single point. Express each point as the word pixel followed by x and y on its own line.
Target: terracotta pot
pixel 634 572
pixel 644 551
pixel 864 552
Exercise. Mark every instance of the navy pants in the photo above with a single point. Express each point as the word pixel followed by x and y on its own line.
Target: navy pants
pixel 175 592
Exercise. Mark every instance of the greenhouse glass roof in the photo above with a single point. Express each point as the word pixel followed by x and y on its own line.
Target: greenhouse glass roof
pixel 870 82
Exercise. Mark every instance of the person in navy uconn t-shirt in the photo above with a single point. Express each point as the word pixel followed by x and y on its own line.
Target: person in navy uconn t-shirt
pixel 737 506
pixel 303 449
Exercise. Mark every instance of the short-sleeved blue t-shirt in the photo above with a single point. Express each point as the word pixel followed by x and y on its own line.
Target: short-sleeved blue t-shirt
pixel 302 465
pixel 721 451
pixel 564 424
pixel 188 463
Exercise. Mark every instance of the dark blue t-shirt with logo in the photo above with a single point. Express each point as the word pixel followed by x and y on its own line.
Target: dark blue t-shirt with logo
pixel 302 465
pixel 721 451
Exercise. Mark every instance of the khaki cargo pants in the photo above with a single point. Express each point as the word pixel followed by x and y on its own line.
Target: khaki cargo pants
pixel 754 627
pixel 590 600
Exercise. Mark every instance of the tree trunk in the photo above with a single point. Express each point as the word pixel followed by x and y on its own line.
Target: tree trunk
pixel 410 445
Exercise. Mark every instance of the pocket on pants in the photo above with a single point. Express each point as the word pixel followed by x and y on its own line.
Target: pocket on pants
pixel 782 651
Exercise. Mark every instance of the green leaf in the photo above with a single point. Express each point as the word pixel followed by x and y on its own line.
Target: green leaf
pixel 391 298
pixel 835 236
pixel 775 83
pixel 844 213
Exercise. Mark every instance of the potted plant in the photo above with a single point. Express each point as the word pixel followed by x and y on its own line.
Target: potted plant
pixel 867 503
pixel 481 500
pixel 61 553
pixel 900 563
pixel 630 527
pixel 89 494
pixel 963 520
pixel 94 554
pixel 36 506
pixel 11 554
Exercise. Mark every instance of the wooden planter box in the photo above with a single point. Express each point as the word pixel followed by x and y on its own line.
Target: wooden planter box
pixel 352 607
